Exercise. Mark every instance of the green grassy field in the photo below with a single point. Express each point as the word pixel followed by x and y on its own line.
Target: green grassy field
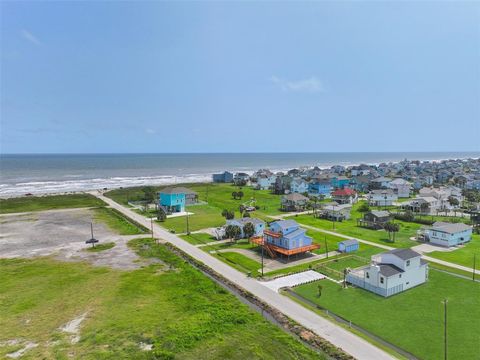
pixel 170 305
pixel 101 247
pixel 117 222
pixel 463 256
pixel 350 228
pixel 240 262
pixel 38 203
pixel 412 320
pixel 198 238
pixel 204 216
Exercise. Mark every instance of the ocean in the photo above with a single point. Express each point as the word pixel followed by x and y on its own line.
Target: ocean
pixel 56 173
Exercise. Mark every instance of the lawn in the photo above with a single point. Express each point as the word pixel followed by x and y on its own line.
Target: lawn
pixel 51 202
pixel 240 262
pixel 204 216
pixel 462 256
pixel 412 320
pixel 117 222
pixel 168 304
pixel 350 228
pixel 198 238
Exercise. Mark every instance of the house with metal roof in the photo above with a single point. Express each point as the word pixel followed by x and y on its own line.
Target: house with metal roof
pixel 385 197
pixel 258 225
pixel 446 234
pixel 345 196
pixel 293 202
pixel 390 273
pixel 172 200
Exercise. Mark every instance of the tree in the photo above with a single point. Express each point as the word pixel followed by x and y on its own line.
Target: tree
pixel 233 232
pixel 248 230
pixel 246 214
pixel 453 201
pixel 241 208
pixel 319 290
pixel 227 214
pixel 161 216
pixel 408 216
pixel 240 195
pixel 364 207
pixel 391 228
pixel 234 195
pixel 149 194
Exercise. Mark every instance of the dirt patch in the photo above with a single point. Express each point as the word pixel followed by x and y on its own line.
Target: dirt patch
pixel 27 346
pixel 73 327
pixel 62 234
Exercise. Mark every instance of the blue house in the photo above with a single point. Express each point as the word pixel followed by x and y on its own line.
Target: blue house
pixel 340 182
pixel 172 200
pixel 225 177
pixel 446 234
pixel 320 187
pixel 258 225
pixel 299 185
pixel 287 234
pixel 348 246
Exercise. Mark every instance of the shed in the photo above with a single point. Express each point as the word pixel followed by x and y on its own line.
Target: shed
pixel 348 246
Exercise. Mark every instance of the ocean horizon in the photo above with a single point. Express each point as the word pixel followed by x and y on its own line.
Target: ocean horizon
pixel 56 173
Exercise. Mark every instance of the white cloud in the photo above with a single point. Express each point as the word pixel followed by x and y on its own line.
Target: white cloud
pixel 311 84
pixel 30 37
pixel 150 131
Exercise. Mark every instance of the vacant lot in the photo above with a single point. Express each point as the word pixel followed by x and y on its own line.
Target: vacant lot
pixel 412 320
pixel 63 233
pixel 37 203
pixel 166 310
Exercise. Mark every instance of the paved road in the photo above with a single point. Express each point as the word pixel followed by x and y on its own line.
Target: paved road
pixel 349 342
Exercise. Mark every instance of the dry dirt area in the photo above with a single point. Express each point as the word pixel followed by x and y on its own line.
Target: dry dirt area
pixel 62 233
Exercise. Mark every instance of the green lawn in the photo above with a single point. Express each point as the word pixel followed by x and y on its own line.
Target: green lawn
pixel 412 320
pixel 240 262
pixel 117 222
pixel 38 203
pixel 101 247
pixel 198 238
pixel 184 314
pixel 204 216
pixel 462 256
pixel 350 228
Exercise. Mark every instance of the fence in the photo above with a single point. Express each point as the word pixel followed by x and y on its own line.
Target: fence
pixel 361 283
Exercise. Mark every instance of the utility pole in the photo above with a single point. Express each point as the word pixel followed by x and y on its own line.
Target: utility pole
pixel 445 301
pixel 333 217
pixel 151 226
pixel 188 225
pixel 474 265
pixel 326 246
pixel 262 255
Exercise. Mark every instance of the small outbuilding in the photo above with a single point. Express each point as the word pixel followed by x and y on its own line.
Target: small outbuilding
pixel 348 246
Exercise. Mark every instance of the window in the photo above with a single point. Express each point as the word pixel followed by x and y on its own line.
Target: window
pixel 381 280
pixel 400 275
pixel 408 262
pixel 368 275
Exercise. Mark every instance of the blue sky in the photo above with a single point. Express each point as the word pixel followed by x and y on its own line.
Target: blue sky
pixel 232 77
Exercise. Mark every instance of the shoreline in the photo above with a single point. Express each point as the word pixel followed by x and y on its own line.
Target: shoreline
pixel 62 187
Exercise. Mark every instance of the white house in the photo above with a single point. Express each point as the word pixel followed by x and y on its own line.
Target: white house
pixel 446 234
pixel 384 197
pixel 336 212
pixel 422 204
pixel 400 187
pixel 442 194
pixel 391 272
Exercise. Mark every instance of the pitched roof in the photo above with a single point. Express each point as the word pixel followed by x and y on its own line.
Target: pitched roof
pixel 404 254
pixel 173 190
pixel 344 192
pixel 380 213
pixel 284 224
pixel 388 270
pixel 295 233
pixel 246 220
pixel 450 228
pixel 382 192
pixel 349 242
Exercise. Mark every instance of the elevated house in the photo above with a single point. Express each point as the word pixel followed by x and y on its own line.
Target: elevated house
pixel 446 234
pixel 265 182
pixel 390 273
pixel 340 182
pixel 375 219
pixel 191 197
pixel 334 211
pixel 380 183
pixel 285 238
pixel 225 177
pixel 294 202
pixel 360 183
pixel 360 170
pixel 258 225
pixel 241 178
pixel 400 187
pixel 381 197
pixel 172 200
pixel 345 196
pixel 422 205
pixel 299 185
pixel 320 187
